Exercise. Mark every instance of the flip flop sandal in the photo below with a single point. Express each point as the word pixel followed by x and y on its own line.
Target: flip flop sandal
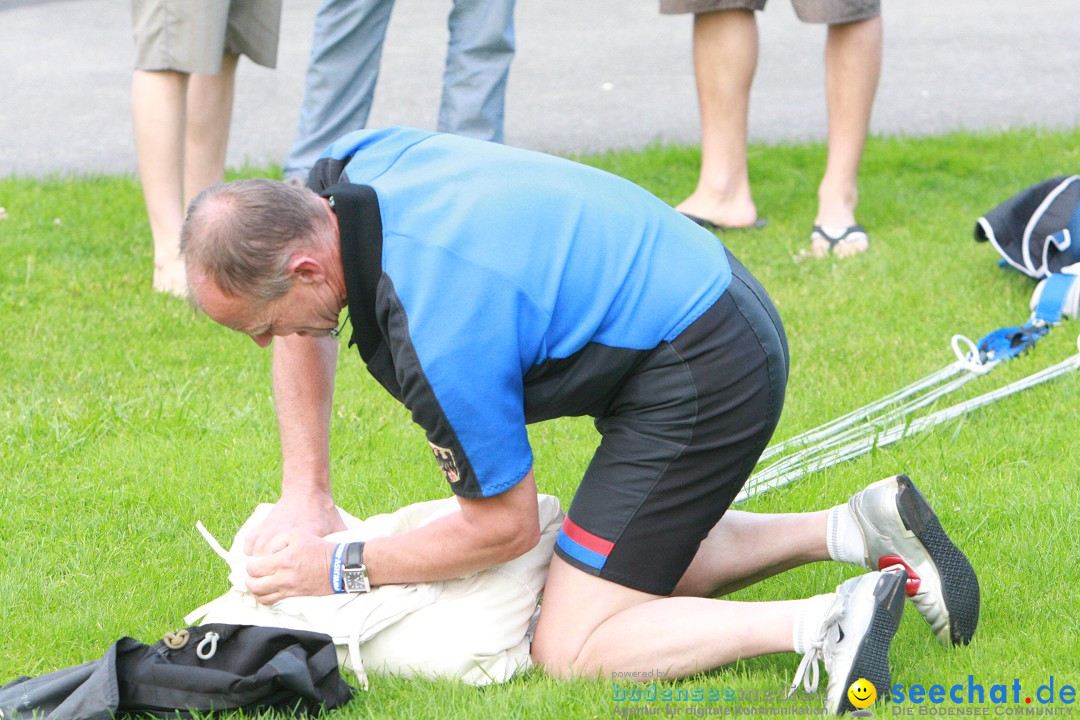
pixel 850 236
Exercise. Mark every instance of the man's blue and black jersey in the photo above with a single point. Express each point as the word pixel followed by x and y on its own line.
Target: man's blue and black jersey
pixel 490 287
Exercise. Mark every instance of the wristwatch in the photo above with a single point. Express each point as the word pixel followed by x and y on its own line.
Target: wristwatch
pixel 354 571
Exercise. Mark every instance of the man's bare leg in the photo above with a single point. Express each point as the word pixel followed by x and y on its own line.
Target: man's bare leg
pixel 744 548
pixel 592 627
pixel 589 626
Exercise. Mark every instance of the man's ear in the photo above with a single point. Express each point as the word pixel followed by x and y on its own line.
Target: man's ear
pixel 307 269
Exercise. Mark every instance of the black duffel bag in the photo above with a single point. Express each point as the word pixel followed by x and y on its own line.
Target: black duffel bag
pixel 201 669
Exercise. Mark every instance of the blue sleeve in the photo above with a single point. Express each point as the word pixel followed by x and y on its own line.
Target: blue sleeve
pixel 462 347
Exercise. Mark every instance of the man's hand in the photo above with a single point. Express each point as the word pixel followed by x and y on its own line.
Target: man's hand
pixel 483 533
pixel 298 563
pixel 314 515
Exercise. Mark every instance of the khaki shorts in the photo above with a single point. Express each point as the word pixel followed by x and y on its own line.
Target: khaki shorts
pixel 192 36
pixel 831 12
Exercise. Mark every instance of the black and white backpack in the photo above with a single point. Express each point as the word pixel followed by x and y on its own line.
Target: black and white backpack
pixel 1037 232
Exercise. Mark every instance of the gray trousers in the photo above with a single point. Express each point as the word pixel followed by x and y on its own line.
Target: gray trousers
pixel 345 57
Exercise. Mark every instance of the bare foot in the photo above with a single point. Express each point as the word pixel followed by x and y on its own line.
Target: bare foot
pixel 860 244
pixel 741 214
pixel 171 279
pixel 819 246
pixel 839 241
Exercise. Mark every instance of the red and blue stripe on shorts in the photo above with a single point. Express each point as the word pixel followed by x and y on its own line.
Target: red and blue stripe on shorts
pixel 582 545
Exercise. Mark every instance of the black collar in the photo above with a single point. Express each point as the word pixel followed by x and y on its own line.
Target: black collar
pixel 360 225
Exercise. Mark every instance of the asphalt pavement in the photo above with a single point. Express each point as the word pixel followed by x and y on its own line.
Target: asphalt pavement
pixel 589 75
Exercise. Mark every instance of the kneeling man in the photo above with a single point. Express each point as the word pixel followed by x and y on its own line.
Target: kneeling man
pixel 490 287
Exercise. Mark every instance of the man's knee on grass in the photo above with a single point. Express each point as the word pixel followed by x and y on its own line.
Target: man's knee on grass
pixel 575 608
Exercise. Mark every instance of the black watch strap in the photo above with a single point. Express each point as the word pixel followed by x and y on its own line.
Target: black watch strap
pixel 354 555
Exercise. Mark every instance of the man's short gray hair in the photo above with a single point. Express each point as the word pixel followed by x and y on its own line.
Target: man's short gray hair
pixel 242 234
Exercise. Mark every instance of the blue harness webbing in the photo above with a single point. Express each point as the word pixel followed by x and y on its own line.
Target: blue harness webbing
pixel 1008 342
pixel 1055 290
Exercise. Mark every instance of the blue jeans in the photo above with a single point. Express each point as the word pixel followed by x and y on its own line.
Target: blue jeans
pixel 345 57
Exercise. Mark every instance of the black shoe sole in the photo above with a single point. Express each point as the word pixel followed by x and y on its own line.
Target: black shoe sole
pixel 959 584
pixel 871 660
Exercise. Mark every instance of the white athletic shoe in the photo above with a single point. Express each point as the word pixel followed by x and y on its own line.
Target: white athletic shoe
pixel 854 638
pixel 899 526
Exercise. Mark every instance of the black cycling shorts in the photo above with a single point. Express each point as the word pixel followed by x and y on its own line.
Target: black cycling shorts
pixel 680 438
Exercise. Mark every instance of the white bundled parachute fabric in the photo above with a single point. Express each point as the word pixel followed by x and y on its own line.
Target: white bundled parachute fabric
pixel 888 420
pixel 475 628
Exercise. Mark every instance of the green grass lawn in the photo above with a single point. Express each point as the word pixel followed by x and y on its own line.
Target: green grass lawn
pixel 126 417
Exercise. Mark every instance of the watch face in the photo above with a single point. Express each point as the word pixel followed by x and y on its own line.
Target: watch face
pixel 356 581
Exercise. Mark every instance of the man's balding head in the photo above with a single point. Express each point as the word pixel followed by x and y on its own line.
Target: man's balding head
pixel 240 235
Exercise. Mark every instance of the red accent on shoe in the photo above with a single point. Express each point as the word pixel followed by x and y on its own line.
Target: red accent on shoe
pixel 913 581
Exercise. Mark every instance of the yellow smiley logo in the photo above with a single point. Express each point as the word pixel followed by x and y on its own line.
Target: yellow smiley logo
pixel 862 693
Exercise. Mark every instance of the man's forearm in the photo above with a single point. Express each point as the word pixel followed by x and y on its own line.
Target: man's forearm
pixel 303 377
pixel 485 533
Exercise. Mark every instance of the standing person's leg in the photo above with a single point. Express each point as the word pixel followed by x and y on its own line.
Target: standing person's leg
pixel 346 53
pixel 478 60
pixel 852 69
pixel 157 106
pixel 174 39
pixel 853 66
pixel 209 114
pixel 251 29
pixel 725 59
